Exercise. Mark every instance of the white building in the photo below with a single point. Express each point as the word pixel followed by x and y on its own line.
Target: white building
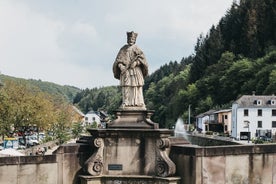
pixel 203 120
pixel 254 116
pixel 92 117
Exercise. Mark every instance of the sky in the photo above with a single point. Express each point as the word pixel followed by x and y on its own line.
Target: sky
pixel 75 42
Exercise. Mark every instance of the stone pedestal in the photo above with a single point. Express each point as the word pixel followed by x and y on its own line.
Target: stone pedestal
pixel 138 119
pixel 128 180
pixel 130 147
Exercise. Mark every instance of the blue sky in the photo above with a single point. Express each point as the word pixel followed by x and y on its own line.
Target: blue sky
pixel 75 42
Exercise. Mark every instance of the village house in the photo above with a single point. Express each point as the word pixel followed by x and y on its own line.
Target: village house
pixel 92 117
pixel 214 121
pixel 204 120
pixel 251 116
pixel 254 116
pixel 224 118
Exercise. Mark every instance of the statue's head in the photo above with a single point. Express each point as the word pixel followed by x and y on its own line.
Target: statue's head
pixel 131 37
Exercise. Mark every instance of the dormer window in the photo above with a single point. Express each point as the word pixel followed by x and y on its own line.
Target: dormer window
pixel 273 102
pixel 259 102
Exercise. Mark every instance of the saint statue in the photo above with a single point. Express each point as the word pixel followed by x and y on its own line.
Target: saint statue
pixel 130 67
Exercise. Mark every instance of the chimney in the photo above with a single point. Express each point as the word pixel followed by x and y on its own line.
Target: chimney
pixel 253 93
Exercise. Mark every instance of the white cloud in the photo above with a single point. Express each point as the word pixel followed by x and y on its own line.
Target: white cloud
pixel 85 29
pixel 28 40
pixel 76 42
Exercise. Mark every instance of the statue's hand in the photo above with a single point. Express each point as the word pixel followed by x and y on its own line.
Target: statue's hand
pixel 122 67
pixel 133 65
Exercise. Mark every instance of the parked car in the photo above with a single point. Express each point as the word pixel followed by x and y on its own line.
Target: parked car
pixel 265 138
pixel 41 136
pixel 30 141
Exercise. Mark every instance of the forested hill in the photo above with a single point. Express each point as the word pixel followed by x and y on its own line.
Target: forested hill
pixel 236 57
pixel 68 92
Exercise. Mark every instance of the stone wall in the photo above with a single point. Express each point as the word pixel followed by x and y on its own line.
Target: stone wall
pixel 29 169
pixel 209 141
pixel 195 165
pixel 63 167
pixel 225 164
pixel 71 158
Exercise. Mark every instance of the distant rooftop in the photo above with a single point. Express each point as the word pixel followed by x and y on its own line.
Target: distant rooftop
pixel 257 101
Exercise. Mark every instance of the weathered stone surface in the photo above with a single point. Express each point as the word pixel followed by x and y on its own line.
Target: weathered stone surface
pixel 130 179
pixel 225 164
pixel 238 169
pixel 38 173
pixel 61 168
pixel 133 119
pixel 9 174
pixel 274 169
pixel 132 152
pixel 213 170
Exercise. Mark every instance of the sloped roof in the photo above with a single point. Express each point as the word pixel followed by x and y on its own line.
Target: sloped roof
pixel 77 110
pixel 251 101
pixel 223 110
pixel 210 112
pixel 104 114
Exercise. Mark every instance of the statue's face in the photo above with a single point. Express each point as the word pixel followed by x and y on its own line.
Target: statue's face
pixel 131 40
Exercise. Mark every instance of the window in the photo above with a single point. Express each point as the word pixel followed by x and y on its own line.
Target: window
pixel 206 128
pixel 260 124
pixel 272 102
pixel 259 102
pixel 273 112
pixel 273 124
pixel 260 112
pixel 225 128
pixel 225 117
pixel 86 118
pixel 245 112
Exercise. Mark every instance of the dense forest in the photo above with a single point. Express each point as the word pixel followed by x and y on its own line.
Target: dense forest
pixel 237 56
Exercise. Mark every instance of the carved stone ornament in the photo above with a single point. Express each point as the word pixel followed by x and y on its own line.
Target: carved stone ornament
pixel 94 165
pixel 164 166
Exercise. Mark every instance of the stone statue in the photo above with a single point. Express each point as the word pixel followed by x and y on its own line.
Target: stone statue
pixel 130 67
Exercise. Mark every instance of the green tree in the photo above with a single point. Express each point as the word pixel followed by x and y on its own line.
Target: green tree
pixel 5 114
pixel 235 77
pixel 23 105
pixel 77 129
pixel 63 122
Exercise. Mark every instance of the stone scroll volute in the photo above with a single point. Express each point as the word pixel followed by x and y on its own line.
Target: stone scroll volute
pixel 164 166
pixel 94 165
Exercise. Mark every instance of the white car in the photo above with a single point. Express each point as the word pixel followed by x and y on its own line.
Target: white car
pixel 32 140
